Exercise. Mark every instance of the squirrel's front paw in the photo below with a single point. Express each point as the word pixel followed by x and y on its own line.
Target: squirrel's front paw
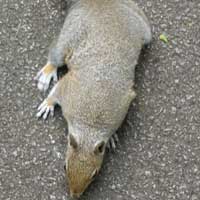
pixel 45 75
pixel 113 141
pixel 45 108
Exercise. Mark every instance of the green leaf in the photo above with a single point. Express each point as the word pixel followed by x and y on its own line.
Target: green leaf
pixel 163 38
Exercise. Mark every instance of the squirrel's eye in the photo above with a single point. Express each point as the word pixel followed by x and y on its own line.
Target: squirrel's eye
pixel 99 149
pixel 65 167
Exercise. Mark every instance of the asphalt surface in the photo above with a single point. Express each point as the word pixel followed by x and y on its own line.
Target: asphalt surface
pixel 159 153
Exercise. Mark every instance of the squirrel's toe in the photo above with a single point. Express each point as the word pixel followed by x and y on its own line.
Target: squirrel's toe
pixel 113 141
pixel 44 109
pixel 44 77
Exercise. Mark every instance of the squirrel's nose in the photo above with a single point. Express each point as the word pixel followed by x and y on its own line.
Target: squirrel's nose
pixel 73 198
pixel 74 195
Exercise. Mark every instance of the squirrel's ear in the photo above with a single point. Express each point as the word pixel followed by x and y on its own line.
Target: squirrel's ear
pixel 99 147
pixel 72 141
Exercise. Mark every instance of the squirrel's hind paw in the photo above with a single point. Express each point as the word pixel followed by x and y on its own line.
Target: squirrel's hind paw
pixel 45 108
pixel 45 75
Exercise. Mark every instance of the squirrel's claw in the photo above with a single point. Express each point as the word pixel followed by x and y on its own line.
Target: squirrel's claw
pixel 112 143
pixel 45 75
pixel 44 109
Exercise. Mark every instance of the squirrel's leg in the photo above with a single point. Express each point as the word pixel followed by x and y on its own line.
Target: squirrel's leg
pixel 45 75
pixel 147 34
pixel 114 140
pixel 47 106
pixel 146 29
pixel 58 56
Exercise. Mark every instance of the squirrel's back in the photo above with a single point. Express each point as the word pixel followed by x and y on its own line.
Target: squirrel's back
pixel 111 30
pixel 101 68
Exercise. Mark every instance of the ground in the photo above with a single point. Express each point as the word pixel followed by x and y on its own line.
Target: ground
pixel 159 152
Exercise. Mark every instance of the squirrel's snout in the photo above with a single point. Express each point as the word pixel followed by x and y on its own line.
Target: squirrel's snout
pixel 74 195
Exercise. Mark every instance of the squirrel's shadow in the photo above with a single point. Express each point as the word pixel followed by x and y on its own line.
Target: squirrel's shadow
pixel 60 5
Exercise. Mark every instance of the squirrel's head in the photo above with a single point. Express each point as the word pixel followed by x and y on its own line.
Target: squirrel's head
pixel 83 162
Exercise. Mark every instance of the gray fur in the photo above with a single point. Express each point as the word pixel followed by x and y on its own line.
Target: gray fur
pixel 106 45
pixel 104 38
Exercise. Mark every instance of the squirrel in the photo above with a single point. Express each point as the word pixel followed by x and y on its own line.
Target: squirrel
pixel 100 43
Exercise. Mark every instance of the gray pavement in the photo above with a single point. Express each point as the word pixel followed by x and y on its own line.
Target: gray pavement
pixel 159 154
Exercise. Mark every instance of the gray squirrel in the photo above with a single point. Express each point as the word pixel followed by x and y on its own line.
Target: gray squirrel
pixel 100 43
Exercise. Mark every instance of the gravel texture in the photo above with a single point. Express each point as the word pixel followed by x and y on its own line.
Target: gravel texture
pixel 159 153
